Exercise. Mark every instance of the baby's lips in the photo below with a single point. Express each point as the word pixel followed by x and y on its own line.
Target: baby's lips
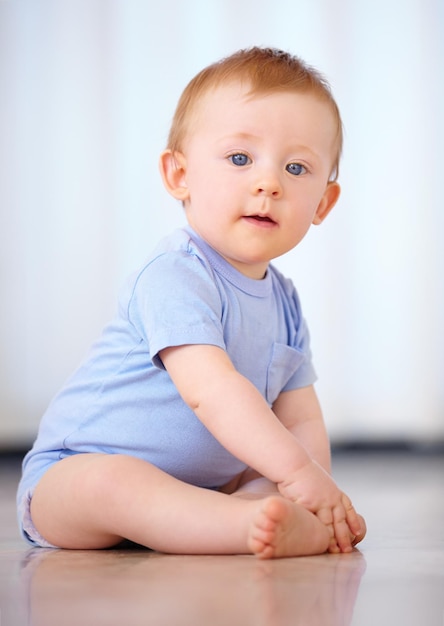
pixel 261 218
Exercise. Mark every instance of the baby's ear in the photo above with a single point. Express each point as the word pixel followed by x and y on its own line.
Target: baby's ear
pixel 328 201
pixel 173 170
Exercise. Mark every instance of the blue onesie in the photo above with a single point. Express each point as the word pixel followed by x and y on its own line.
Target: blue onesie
pixel 121 400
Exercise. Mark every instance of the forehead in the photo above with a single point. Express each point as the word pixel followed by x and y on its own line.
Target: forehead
pixel 232 108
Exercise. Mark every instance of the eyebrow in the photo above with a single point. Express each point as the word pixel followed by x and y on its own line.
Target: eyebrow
pixel 240 135
pixel 243 135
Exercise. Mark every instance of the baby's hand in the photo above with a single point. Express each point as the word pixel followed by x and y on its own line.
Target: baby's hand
pixel 312 487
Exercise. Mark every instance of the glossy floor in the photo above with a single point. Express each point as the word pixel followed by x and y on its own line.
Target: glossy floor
pixel 396 578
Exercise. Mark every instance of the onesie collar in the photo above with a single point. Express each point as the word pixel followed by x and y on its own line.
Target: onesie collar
pixel 258 288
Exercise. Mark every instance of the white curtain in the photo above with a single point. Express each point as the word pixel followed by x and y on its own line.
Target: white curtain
pixel 87 91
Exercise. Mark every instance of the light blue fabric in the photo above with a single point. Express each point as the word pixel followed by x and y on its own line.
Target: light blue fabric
pixel 121 400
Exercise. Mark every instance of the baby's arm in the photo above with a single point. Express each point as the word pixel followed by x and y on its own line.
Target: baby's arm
pixel 233 410
pixel 300 412
pixel 238 416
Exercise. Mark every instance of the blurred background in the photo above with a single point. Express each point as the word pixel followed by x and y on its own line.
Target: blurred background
pixel 87 92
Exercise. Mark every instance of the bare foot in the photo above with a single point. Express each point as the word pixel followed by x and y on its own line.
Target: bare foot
pixel 281 528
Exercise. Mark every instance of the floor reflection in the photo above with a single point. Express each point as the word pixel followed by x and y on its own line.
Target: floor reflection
pixel 141 587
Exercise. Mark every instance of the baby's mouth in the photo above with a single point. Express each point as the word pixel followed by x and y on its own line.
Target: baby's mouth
pixel 261 218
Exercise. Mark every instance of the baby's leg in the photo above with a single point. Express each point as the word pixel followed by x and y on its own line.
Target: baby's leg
pixel 251 485
pixel 282 528
pixel 93 501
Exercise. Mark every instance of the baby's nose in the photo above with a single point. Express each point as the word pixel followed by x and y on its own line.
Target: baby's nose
pixel 268 184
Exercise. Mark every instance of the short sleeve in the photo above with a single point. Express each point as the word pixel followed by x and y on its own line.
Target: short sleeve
pixel 176 302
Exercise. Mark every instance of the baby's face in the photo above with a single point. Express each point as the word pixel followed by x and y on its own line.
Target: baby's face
pixel 257 171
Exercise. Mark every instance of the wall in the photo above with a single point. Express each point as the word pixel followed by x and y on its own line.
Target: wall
pixel 88 88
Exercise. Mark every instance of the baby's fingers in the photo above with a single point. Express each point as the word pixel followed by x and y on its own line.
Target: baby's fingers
pixel 341 529
pixel 325 515
pixel 352 518
pixel 346 524
pixel 360 536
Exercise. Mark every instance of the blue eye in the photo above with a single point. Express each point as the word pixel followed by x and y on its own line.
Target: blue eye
pixel 239 159
pixel 296 169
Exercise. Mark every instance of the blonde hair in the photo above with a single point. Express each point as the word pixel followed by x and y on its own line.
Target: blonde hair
pixel 265 70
